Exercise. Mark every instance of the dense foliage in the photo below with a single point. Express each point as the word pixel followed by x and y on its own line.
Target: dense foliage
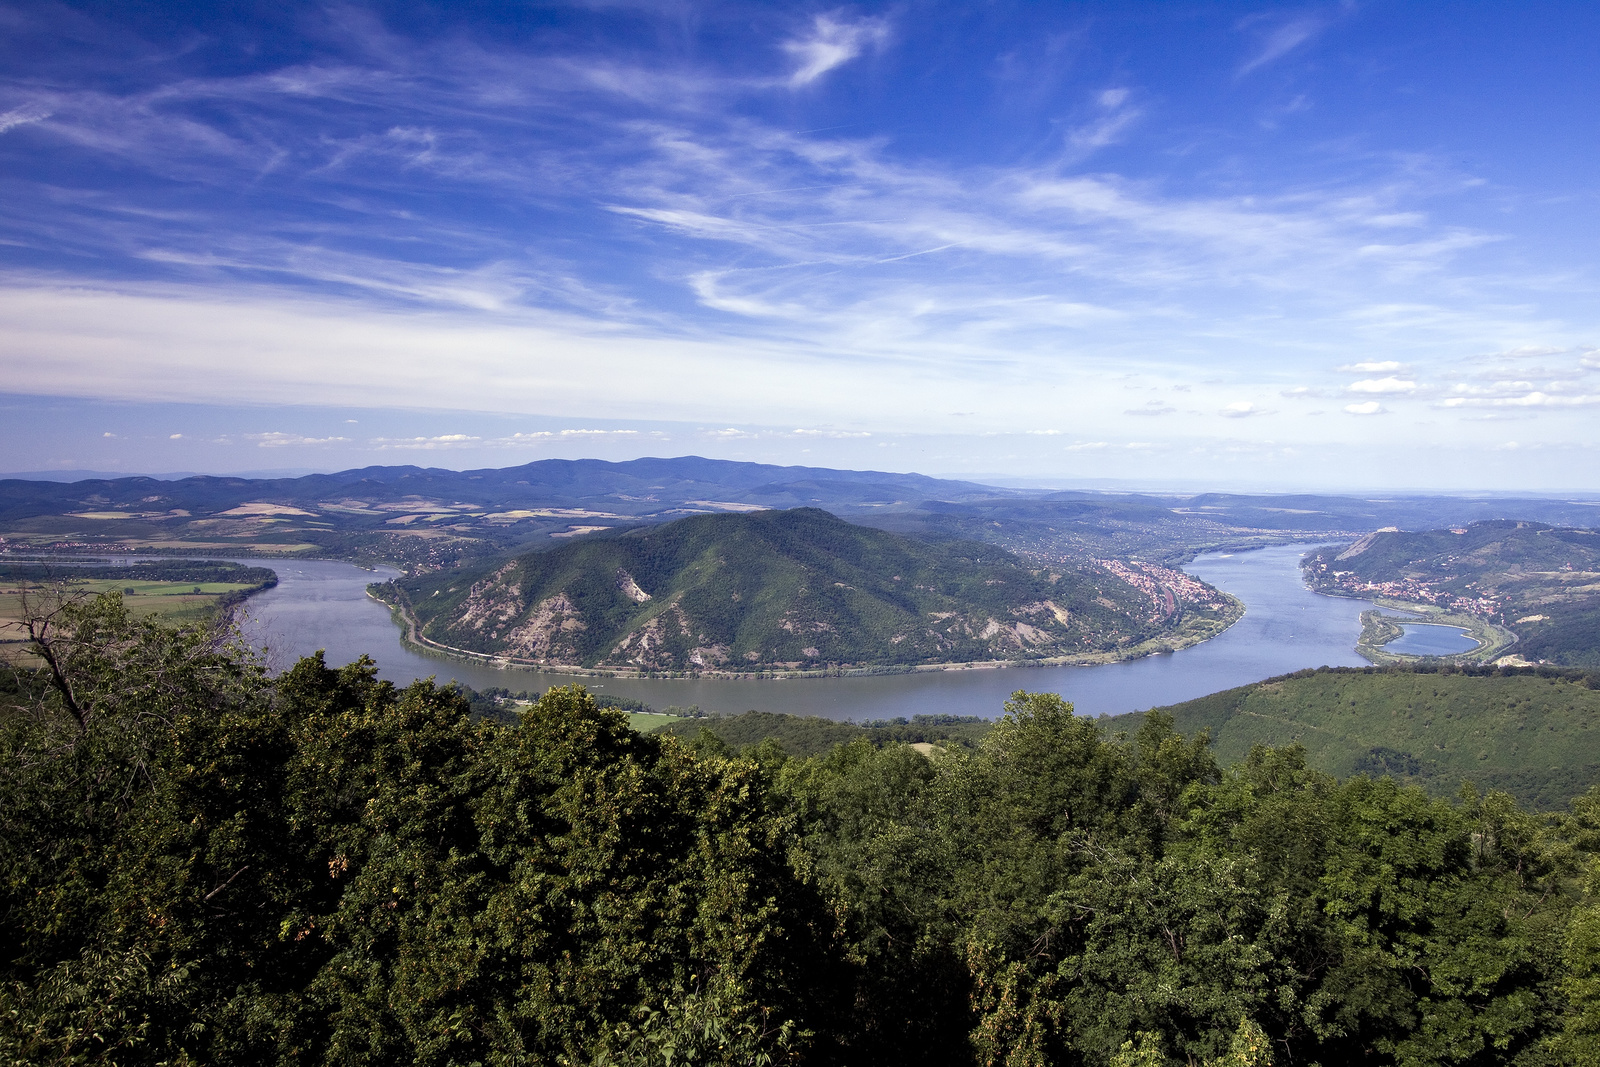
pixel 809 735
pixel 205 864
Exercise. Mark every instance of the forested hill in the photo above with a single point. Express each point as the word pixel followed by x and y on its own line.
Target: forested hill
pixel 791 589
pixel 1543 582
pixel 1533 733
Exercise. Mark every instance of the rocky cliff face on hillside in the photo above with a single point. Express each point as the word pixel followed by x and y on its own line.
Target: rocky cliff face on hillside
pixel 786 590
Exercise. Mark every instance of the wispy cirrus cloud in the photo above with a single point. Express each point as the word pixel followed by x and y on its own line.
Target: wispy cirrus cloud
pixel 832 41
pixel 22 116
pixel 1115 114
pixel 1277 36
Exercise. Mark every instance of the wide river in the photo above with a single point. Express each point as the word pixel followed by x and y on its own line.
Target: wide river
pixel 320 604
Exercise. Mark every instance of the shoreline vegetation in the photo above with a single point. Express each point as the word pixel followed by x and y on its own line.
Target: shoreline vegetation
pixel 1191 631
pixel 1378 630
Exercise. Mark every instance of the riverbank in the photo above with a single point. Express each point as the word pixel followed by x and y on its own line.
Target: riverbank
pixel 1378 630
pixel 1192 630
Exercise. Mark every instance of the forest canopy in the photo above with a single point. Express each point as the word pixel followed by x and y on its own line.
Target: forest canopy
pixel 206 864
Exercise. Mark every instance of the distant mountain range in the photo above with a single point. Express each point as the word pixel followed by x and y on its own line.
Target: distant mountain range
pixel 787 590
pixel 422 517
pixel 426 517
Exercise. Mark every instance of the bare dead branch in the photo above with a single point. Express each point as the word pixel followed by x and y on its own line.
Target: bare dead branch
pixel 226 884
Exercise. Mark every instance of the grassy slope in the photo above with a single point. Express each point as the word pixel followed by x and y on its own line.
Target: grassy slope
pixel 765 587
pixel 1534 735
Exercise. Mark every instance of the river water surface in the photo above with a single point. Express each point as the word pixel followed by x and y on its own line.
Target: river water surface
pixel 321 604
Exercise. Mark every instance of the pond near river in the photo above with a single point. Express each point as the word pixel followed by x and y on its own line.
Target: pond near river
pixel 321 604
pixel 1431 639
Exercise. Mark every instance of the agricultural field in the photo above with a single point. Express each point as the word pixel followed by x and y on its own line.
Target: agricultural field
pixel 179 592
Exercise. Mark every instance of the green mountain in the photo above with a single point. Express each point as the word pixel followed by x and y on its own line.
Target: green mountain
pixel 1542 582
pixel 795 589
pixel 1533 733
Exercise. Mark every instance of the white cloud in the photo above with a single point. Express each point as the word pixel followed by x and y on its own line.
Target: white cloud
pixel 1373 367
pixel 441 442
pixel 833 41
pixel 276 439
pixel 1383 385
pixel 1370 407
pixel 1241 409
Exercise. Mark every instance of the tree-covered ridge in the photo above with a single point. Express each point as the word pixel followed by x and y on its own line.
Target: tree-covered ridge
pixel 806 735
pixel 789 589
pixel 1531 732
pixel 1543 582
pixel 206 865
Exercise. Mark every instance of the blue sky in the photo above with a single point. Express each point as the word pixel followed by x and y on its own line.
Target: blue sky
pixel 1323 245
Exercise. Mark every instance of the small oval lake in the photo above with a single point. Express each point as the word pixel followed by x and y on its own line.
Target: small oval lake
pixel 321 604
pixel 1431 639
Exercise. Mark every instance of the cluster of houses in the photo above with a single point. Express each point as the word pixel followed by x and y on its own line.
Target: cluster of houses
pixel 1166 587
